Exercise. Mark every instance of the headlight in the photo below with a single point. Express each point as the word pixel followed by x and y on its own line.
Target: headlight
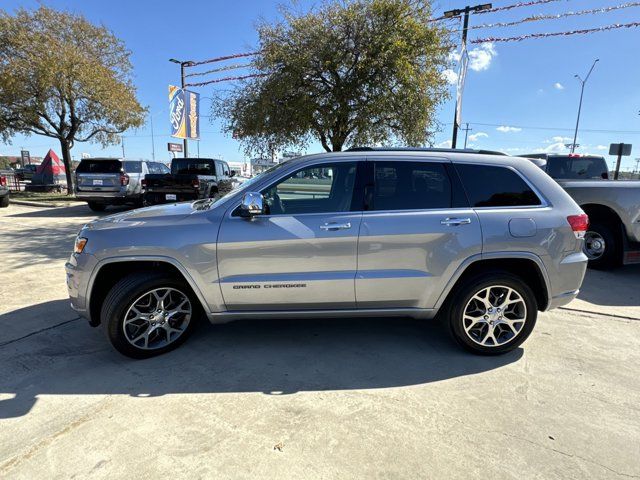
pixel 79 246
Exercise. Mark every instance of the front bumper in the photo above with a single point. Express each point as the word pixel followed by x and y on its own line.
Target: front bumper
pixel 78 271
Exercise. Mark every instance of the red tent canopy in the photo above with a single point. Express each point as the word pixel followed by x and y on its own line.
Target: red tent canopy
pixel 51 164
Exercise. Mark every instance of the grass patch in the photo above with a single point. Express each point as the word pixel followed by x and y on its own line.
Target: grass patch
pixel 43 197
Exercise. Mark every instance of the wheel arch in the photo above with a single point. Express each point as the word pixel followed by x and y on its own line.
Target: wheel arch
pixel 109 271
pixel 525 265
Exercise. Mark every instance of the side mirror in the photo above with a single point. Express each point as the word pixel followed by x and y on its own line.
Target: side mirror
pixel 232 173
pixel 252 204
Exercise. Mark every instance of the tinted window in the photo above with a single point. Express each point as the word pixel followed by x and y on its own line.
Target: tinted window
pixel 99 166
pixel 577 167
pixel 410 186
pixel 133 167
pixel 161 168
pixel 193 166
pixel 324 189
pixel 495 187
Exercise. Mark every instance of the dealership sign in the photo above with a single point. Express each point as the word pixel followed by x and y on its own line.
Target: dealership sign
pixel 174 147
pixel 184 113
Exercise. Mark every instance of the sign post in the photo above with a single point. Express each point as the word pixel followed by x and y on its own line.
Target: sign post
pixel 621 150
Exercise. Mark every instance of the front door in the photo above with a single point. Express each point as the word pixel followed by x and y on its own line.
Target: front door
pixel 301 254
pixel 417 231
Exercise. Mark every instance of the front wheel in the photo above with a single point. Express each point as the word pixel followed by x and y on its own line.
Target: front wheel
pixel 148 314
pixel 492 313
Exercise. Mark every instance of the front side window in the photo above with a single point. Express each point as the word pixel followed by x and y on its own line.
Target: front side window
pixel 489 186
pixel 132 167
pixel 411 186
pixel 318 189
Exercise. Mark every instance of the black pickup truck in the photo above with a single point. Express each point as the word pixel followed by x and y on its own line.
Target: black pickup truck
pixel 190 179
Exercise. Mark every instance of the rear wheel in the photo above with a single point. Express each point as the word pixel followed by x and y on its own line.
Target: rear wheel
pixel 492 313
pixel 4 201
pixel 601 247
pixel 148 314
pixel 97 207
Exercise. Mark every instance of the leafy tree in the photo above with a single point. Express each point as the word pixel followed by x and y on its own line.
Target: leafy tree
pixel 64 78
pixel 351 73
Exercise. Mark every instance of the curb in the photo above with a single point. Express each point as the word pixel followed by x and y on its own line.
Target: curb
pixel 44 204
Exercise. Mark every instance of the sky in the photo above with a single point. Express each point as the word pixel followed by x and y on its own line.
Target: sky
pixel 520 97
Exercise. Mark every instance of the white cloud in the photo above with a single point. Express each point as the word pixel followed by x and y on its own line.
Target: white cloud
pixel 560 139
pixel 558 86
pixel 602 147
pixel 508 129
pixel 558 147
pixel 445 144
pixel 515 149
pixel 480 58
pixel 450 76
pixel 476 136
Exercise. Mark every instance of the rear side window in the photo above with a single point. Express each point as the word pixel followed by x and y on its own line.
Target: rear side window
pixel 489 186
pixel 133 167
pixel 99 166
pixel 411 186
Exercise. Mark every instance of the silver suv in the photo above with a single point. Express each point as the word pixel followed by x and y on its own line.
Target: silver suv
pixel 482 241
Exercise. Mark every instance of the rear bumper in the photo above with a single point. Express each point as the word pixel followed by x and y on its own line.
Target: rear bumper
pixel 567 279
pixel 154 198
pixel 107 197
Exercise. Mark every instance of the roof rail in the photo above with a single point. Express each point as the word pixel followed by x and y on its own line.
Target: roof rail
pixel 420 149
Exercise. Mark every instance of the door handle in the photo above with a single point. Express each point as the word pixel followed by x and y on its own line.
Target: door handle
pixel 454 222
pixel 335 226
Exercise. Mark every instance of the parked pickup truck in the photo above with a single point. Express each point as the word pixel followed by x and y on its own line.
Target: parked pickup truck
pixel 190 179
pixel 613 206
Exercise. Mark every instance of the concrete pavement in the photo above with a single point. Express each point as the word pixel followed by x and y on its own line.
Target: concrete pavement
pixel 366 398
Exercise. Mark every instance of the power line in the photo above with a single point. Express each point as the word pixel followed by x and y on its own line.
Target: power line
pixel 225 79
pixel 221 69
pixel 517 5
pixel 220 59
pixel 556 34
pixel 535 18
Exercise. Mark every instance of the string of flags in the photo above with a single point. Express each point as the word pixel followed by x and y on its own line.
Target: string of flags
pixel 584 31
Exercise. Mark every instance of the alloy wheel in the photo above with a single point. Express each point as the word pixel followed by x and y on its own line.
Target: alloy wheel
pixel 157 318
pixel 594 245
pixel 494 316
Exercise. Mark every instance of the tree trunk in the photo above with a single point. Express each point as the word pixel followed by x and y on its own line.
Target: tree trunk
pixel 66 158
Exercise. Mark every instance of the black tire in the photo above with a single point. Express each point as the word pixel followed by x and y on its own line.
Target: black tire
pixel 4 201
pixel 123 295
pixel 454 312
pixel 611 257
pixel 97 207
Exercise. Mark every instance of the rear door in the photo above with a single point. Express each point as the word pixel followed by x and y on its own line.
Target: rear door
pixel 417 231
pixel 301 254
pixel 99 175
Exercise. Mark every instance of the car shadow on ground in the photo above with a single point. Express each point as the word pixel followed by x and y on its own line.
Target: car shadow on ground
pixel 618 287
pixel 78 211
pixel 275 357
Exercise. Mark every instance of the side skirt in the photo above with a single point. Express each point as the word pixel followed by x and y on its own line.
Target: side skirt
pixel 421 313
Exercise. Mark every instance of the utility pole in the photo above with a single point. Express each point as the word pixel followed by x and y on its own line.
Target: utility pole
pixel 188 63
pixel 575 135
pixel 455 13
pixel 153 146
pixel 122 142
pixel 466 134
pixel 637 163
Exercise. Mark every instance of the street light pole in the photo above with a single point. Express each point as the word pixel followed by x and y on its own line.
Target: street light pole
pixel 575 135
pixel 187 63
pixel 455 13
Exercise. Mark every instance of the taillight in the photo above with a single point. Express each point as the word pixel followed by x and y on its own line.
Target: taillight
pixel 579 224
pixel 124 179
pixel 143 182
pixel 3 181
pixel 195 183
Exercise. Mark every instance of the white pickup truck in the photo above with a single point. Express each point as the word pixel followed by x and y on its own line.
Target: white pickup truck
pixel 613 206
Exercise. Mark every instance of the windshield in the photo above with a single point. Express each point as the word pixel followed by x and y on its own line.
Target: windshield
pixel 577 168
pixel 192 166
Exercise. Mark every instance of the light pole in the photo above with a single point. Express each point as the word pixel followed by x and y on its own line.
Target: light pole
pixel 182 64
pixel 582 82
pixel 455 13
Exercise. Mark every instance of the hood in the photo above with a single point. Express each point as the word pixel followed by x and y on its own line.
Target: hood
pixel 168 214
